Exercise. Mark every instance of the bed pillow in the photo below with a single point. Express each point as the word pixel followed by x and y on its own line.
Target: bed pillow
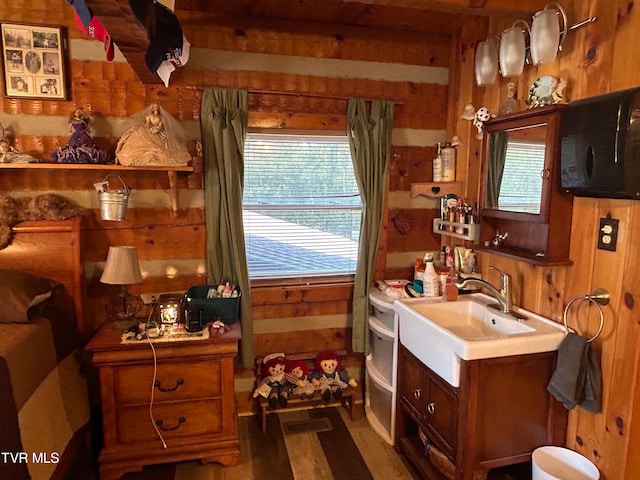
pixel 21 292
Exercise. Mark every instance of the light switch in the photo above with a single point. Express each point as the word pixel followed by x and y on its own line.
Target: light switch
pixel 608 234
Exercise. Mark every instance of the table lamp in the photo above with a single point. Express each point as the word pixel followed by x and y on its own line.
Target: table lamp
pixel 122 269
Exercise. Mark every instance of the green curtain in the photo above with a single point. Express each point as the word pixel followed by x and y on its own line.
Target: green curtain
pixel 223 123
pixel 497 156
pixel 369 135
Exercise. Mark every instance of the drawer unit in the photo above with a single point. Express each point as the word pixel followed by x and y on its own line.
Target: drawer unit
pixel 381 344
pixel 380 402
pixel 186 385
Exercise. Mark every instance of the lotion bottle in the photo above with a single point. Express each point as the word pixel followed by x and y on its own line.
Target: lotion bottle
pixel 437 165
pixel 430 281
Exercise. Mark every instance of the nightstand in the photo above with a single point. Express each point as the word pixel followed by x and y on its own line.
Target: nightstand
pixel 194 404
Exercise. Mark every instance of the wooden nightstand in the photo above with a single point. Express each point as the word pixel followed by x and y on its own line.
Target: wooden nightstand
pixel 193 401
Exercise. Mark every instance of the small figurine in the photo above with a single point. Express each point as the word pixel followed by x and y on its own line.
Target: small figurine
pixel 481 116
pixel 509 104
pixel 80 147
pixel 304 388
pixel 329 376
pixel 8 154
pixel 276 383
pixel 157 139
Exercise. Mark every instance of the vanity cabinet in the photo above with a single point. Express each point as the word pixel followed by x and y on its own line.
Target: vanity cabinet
pixel 520 191
pixel 498 415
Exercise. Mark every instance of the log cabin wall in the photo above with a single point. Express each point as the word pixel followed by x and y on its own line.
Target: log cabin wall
pixel 596 59
pixel 299 77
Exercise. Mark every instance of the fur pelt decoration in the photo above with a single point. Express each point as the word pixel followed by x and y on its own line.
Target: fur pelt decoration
pixel 48 206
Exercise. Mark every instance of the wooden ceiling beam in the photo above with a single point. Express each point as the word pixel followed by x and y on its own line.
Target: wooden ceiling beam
pixel 127 33
pixel 474 7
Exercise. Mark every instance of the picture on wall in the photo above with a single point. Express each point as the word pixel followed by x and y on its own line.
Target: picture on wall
pixel 34 62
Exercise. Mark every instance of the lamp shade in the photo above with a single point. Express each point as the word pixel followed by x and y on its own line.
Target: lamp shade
pixel 545 34
pixel 486 66
pixel 122 266
pixel 513 50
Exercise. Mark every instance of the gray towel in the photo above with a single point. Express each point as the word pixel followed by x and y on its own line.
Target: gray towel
pixel 577 379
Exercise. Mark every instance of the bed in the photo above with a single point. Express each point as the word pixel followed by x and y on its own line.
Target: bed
pixel 43 390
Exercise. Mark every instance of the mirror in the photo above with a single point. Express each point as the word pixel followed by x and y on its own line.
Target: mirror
pixel 519 151
pixel 515 170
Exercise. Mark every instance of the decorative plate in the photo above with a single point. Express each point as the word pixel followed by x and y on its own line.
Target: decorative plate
pixel 546 90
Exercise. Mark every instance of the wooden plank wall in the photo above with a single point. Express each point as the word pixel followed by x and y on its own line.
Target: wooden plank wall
pixel 414 69
pixel 596 59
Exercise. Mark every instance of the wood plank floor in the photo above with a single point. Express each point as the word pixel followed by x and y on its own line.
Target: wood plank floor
pixel 351 450
pixel 347 450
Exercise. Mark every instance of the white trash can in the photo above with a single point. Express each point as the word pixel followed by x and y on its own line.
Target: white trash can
pixel 558 463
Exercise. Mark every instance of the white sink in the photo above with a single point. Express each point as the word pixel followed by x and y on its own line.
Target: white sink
pixel 441 334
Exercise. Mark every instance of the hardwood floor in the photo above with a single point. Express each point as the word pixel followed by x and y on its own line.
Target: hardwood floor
pixel 343 450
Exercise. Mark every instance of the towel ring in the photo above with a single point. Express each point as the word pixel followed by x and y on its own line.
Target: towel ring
pixel 599 298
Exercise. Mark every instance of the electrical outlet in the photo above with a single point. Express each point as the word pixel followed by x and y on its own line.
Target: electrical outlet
pixel 608 234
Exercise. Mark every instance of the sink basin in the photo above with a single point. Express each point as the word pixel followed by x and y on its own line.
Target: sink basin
pixel 441 334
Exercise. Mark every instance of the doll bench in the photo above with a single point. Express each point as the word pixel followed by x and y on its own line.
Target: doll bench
pixel 294 402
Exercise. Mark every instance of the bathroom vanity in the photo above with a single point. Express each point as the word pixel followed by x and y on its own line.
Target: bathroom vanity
pixel 486 412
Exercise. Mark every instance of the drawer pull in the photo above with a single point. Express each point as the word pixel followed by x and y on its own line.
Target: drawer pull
pixel 417 393
pixel 431 407
pixel 169 389
pixel 159 422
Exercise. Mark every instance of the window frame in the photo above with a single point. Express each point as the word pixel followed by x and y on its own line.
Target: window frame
pixel 347 279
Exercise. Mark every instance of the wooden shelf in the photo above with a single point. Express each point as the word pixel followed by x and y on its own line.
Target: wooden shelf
pixel 172 172
pixel 471 230
pixel 524 256
pixel 436 189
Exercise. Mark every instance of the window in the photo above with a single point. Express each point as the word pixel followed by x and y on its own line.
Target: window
pixel 521 187
pixel 301 206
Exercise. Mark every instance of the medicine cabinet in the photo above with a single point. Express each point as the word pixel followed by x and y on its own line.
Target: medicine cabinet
pixel 520 192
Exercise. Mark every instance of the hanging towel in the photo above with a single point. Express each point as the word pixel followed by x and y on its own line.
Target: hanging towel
pixel 577 379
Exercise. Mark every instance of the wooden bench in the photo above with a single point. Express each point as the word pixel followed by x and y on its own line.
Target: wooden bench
pixel 308 358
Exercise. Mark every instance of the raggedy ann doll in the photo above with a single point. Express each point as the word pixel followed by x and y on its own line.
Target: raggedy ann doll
pixel 329 376
pixel 276 383
pixel 304 388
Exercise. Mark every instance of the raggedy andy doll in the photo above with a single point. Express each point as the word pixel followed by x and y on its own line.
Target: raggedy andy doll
pixel 276 383
pixel 329 376
pixel 304 388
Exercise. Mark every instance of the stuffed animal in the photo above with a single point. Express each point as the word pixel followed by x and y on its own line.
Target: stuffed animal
pixel 276 383
pixel 47 206
pixel 481 116
pixel 330 377
pixel 304 388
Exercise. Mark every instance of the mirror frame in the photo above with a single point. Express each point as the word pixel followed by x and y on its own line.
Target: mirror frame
pixel 542 116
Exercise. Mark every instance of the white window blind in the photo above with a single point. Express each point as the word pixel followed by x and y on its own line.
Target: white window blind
pixel 521 186
pixel 301 206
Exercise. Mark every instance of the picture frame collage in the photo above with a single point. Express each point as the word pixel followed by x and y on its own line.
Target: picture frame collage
pixel 34 61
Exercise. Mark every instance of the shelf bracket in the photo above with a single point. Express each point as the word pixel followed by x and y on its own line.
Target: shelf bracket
pixel 173 186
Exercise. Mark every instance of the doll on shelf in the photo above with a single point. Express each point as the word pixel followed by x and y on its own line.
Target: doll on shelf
pixel 8 154
pixel 304 388
pixel 80 147
pixel 275 384
pixel 330 377
pixel 156 139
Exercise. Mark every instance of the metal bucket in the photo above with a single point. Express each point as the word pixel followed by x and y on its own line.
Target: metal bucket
pixel 113 203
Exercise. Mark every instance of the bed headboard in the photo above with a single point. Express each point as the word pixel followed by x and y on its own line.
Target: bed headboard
pixel 51 249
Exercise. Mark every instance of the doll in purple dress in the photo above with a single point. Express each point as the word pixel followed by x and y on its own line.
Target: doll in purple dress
pixel 80 147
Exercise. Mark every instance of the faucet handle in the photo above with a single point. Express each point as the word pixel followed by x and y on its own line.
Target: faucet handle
pixel 505 278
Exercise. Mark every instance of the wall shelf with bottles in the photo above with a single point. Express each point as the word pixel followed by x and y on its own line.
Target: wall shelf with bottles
pixel 437 189
pixel 470 231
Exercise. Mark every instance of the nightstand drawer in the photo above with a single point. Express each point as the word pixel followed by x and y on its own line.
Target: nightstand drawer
pixel 174 381
pixel 174 420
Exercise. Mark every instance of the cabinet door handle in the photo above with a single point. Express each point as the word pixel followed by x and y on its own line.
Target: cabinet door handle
pixel 168 389
pixel 431 407
pixel 417 393
pixel 159 423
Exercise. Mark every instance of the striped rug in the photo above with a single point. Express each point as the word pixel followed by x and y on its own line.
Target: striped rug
pixel 320 444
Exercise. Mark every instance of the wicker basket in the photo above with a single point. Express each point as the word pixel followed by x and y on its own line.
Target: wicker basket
pixel 441 462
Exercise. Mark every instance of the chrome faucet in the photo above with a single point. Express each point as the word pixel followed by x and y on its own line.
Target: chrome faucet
pixel 503 296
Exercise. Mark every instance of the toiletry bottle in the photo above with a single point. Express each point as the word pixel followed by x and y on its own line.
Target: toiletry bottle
pixel 450 289
pixel 448 155
pixel 430 282
pixel 437 165
pixel 418 275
